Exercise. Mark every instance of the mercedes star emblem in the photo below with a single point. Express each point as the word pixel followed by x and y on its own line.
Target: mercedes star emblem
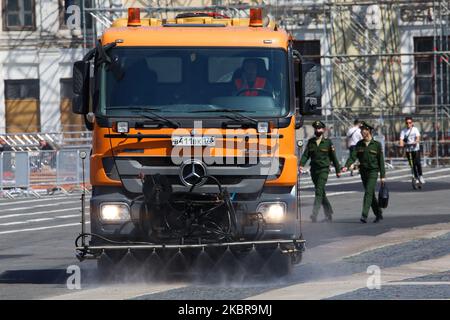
pixel 191 171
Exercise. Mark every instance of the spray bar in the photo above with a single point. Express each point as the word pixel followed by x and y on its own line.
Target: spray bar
pixel 187 246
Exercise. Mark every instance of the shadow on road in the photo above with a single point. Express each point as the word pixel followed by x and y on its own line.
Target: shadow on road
pixel 44 276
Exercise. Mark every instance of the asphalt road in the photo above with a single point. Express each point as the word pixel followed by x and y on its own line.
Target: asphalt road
pixel 410 246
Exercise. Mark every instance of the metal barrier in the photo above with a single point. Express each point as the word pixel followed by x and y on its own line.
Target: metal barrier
pixel 69 170
pixel 15 174
pixel 32 173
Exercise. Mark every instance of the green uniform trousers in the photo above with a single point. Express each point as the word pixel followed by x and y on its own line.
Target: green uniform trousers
pixel 369 180
pixel 319 178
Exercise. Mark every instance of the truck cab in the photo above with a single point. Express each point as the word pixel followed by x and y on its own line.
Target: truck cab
pixel 194 147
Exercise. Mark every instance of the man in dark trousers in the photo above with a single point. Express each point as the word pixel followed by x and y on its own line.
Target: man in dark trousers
pixel 321 152
pixel 371 162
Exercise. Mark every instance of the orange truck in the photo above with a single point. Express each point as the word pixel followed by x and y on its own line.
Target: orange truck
pixel 194 146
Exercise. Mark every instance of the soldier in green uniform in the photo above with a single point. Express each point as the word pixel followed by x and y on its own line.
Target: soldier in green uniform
pixel 321 152
pixel 370 155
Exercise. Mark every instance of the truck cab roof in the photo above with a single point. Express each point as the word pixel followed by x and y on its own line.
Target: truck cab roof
pixel 197 36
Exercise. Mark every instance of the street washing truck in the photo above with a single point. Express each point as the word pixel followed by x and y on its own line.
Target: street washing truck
pixel 194 155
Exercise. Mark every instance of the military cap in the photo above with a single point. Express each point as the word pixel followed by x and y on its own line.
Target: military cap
pixel 364 125
pixel 318 124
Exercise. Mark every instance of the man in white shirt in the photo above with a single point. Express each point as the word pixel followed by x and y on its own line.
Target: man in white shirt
pixel 353 137
pixel 410 140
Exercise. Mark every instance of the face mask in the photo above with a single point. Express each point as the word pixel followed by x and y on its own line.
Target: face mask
pixel 318 133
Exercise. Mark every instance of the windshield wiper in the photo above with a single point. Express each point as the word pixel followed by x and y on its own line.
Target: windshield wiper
pixel 236 112
pixel 156 117
pixel 172 123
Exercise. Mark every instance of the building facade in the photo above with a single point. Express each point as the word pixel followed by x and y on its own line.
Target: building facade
pixel 369 56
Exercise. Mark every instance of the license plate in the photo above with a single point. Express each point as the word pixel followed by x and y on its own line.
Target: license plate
pixel 193 141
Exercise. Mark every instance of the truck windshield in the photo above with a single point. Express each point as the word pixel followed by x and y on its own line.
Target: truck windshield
pixel 183 82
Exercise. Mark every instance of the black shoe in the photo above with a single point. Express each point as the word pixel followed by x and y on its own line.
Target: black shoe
pixel 327 219
pixel 313 218
pixel 363 220
pixel 377 219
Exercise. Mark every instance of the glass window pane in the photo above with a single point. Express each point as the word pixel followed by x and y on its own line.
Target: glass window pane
pixel 22 89
pixel 177 80
pixel 27 5
pixel 424 67
pixel 66 89
pixel 13 20
pixel 222 69
pixel 12 5
pixel 425 100
pixel 167 69
pixel 12 91
pixel 424 86
pixel 28 19
pixel 424 44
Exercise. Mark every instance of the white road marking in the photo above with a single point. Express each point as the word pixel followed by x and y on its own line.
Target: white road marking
pixel 42 228
pixel 346 176
pixel 67 216
pixel 436 178
pixel 39 220
pixel 37 213
pixel 330 194
pixel 41 206
pixel 8 202
pixel 417 283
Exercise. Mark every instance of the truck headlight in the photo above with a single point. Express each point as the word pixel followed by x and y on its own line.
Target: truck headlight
pixel 120 127
pixel 263 127
pixel 273 212
pixel 114 212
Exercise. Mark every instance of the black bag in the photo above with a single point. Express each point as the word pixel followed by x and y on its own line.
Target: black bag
pixel 383 196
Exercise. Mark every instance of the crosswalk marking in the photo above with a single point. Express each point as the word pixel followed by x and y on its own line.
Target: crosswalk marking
pixel 37 213
pixel 39 220
pixel 9 202
pixel 329 194
pixel 42 228
pixel 41 205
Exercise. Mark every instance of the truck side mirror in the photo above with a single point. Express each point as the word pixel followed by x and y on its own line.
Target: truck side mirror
pixel 81 76
pixel 309 89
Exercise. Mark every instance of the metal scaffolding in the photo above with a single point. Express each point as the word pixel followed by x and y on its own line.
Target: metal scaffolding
pixel 364 45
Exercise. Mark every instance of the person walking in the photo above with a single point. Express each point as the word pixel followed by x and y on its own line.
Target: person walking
pixel 371 162
pixel 321 152
pixel 410 140
pixel 353 137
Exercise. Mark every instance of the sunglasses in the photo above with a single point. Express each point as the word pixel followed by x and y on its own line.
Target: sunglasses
pixel 408 122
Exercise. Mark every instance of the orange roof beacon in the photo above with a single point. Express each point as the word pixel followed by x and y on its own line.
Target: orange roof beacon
pixel 193 148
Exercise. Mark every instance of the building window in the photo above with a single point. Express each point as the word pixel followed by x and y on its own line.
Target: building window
pixel 19 15
pixel 63 15
pixel 69 120
pixel 22 105
pixel 427 75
